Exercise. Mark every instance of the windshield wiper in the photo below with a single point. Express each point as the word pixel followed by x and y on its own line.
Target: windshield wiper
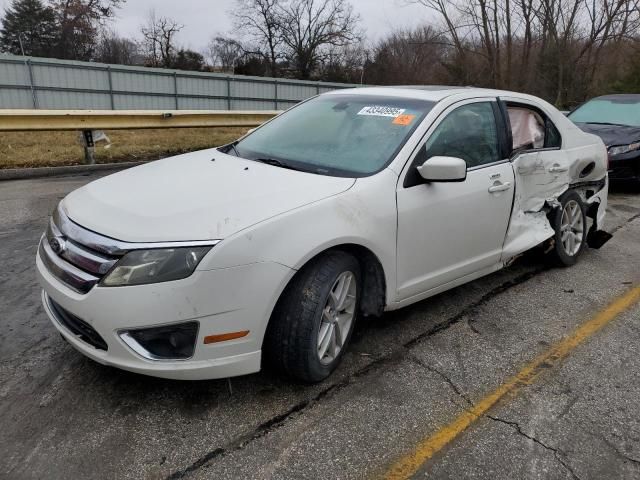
pixel 277 163
pixel 607 123
pixel 231 146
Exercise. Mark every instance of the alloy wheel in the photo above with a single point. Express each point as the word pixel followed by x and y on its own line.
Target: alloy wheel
pixel 337 317
pixel 572 228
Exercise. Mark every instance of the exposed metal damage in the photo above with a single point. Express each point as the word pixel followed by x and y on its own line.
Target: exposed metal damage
pixel 542 177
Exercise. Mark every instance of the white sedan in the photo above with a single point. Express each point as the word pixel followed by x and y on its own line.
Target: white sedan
pixel 350 204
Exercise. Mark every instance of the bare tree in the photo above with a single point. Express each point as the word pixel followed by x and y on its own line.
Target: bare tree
pixel 560 42
pixel 225 53
pixel 345 64
pixel 415 56
pixel 79 22
pixel 310 28
pixel 578 31
pixel 112 48
pixel 260 21
pixel 159 40
pixel 469 24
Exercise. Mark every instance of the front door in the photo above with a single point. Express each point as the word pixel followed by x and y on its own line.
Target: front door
pixel 450 230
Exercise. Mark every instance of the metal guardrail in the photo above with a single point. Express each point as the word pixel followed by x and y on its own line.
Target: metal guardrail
pixel 87 121
pixel 55 120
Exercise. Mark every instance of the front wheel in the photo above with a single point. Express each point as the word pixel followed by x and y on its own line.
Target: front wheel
pixel 570 225
pixel 313 321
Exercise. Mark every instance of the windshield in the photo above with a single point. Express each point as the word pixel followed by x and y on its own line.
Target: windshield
pixel 340 135
pixel 618 111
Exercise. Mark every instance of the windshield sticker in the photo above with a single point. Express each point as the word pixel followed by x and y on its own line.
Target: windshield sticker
pixel 404 120
pixel 379 111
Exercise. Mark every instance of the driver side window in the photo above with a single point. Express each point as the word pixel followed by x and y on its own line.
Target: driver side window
pixel 469 133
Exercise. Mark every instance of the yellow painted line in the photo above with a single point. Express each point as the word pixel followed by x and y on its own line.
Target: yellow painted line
pixel 408 465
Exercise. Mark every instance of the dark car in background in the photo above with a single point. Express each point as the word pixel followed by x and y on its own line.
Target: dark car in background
pixel 615 119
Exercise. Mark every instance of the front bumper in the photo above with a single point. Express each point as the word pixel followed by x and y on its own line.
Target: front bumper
pixel 625 167
pixel 222 301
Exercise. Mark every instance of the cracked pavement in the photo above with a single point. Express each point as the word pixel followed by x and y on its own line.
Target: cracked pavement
pixel 405 376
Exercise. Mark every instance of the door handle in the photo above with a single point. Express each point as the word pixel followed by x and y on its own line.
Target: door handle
pixel 501 187
pixel 558 169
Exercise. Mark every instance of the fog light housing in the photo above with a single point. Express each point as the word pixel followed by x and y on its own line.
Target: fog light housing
pixel 171 342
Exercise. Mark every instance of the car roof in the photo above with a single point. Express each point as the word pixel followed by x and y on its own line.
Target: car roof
pixel 433 93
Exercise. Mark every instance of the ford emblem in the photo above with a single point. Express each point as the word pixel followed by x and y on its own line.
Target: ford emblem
pixel 57 244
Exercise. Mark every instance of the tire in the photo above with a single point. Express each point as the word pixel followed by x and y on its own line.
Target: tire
pixel 306 313
pixel 570 225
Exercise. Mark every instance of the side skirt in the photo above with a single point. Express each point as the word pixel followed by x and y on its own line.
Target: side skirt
pixel 444 287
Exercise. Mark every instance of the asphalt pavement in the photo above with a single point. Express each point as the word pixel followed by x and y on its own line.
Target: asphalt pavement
pixel 407 378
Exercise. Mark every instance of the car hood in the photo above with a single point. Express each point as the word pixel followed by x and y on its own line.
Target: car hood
pixel 205 195
pixel 612 134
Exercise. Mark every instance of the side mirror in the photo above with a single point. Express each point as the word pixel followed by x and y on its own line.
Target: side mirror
pixel 444 169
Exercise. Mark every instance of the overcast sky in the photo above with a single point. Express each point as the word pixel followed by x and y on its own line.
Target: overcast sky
pixel 204 18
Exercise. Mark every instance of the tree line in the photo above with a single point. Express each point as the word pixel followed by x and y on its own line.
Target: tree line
pixel 82 30
pixel 561 50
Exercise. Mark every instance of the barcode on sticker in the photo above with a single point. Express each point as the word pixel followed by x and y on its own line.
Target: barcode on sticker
pixel 380 111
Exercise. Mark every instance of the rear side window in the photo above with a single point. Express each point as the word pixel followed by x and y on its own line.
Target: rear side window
pixel 470 133
pixel 531 129
pixel 553 138
pixel 527 128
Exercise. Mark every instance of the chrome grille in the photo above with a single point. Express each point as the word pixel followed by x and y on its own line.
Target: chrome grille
pixel 76 256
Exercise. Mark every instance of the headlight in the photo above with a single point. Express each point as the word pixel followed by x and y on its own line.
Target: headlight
pixel 619 150
pixel 140 267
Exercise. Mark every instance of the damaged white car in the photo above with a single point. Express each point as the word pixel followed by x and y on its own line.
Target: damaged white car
pixel 352 203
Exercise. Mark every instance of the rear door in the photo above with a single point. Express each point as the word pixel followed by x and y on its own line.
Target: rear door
pixel 540 164
pixel 447 231
pixel 541 168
